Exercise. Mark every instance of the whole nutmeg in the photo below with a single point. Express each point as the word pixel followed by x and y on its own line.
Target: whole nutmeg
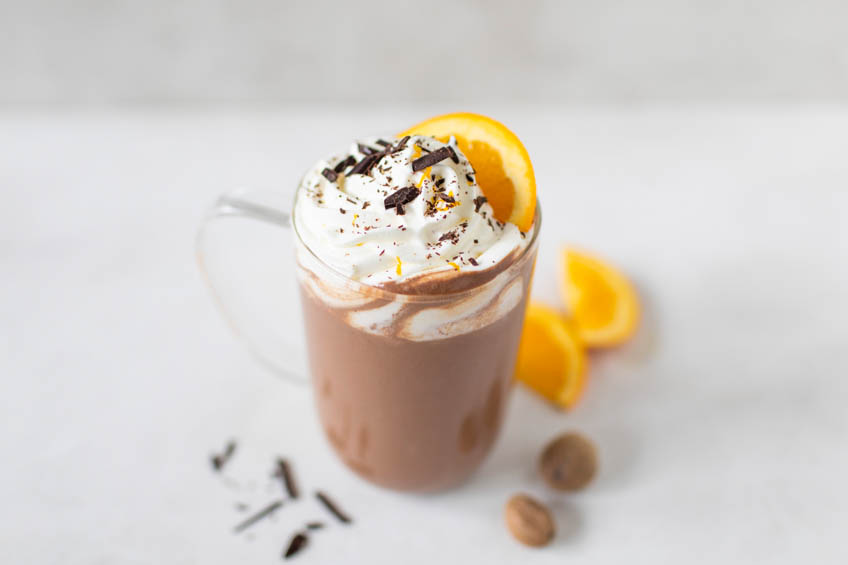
pixel 569 462
pixel 529 521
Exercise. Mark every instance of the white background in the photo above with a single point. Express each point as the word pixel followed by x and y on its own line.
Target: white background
pixel 377 52
pixel 722 428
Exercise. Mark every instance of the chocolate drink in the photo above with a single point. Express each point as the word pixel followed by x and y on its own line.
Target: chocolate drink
pixel 413 415
pixel 412 341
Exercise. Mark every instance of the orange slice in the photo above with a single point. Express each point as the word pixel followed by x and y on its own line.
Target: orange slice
pixel 501 163
pixel 551 359
pixel 603 303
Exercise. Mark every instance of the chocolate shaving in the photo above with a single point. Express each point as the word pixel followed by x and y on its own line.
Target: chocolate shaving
pixel 400 197
pixel 264 513
pixel 330 174
pixel 220 459
pixel 401 144
pixel 431 159
pixel 469 178
pixel 383 142
pixel 365 205
pixel 297 543
pixel 365 150
pixel 445 197
pixel 473 261
pixel 440 182
pixel 479 201
pixel 362 167
pixel 453 155
pixel 314 525
pixel 284 472
pixel 399 209
pixel 331 506
pixel 342 165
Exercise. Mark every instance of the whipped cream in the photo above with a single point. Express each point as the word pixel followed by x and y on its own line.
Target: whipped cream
pixel 389 222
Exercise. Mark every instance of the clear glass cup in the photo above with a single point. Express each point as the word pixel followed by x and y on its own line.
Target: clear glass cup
pixel 410 389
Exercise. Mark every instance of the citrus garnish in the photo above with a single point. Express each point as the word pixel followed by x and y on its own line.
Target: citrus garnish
pixel 551 358
pixel 501 163
pixel 603 303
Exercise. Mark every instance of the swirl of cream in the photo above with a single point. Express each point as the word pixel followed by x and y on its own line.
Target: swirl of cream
pixel 346 212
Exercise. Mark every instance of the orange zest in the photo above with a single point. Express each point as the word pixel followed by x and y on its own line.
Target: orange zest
pixel 424 176
pixel 551 358
pixel 500 161
pixel 603 303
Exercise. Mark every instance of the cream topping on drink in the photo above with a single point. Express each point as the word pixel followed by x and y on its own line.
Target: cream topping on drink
pixel 391 212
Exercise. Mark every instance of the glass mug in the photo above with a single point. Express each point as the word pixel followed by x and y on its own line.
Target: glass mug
pixel 410 389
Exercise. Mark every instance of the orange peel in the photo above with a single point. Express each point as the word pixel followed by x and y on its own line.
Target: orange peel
pixel 501 163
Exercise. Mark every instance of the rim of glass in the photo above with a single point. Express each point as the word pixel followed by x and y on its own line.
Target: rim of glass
pixel 378 292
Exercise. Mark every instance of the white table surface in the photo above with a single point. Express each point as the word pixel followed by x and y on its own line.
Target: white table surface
pixel 723 429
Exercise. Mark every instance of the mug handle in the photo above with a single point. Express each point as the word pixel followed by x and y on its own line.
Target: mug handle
pixel 246 252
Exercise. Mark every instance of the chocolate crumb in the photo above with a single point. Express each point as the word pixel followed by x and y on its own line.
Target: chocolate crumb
pixel 469 178
pixel 381 253
pixel 431 159
pixel 219 460
pixel 440 182
pixel 342 210
pixel 284 472
pixel 365 205
pixel 330 174
pixel 297 543
pixel 265 512
pixel 450 235
pixel 331 506
pixel 478 202
pixel 445 197
pixel 473 261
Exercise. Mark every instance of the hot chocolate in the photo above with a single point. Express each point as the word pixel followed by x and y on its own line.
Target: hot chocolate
pixel 413 297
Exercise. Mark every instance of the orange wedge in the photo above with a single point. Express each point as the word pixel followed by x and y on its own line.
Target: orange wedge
pixel 501 163
pixel 603 303
pixel 551 359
